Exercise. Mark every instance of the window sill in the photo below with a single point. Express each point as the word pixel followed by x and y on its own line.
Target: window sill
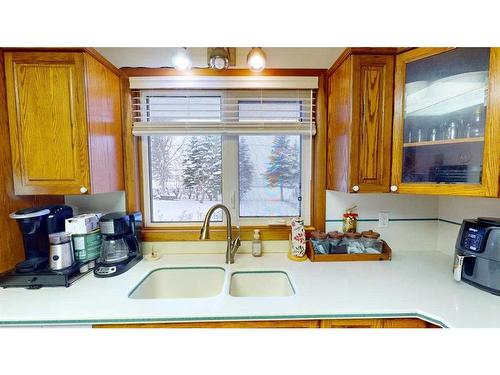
pixel 217 233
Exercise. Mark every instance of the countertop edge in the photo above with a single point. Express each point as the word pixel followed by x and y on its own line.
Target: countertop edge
pixel 221 319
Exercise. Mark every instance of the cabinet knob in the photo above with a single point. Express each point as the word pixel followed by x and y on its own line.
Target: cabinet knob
pixel 394 188
pixel 355 188
pixel 83 190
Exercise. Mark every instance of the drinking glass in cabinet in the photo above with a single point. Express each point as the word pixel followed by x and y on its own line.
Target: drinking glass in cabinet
pixel 445 106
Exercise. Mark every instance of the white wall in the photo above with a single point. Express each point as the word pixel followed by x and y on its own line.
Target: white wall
pixel 452 210
pixel 276 57
pixel 104 203
pixel 417 222
pixel 412 218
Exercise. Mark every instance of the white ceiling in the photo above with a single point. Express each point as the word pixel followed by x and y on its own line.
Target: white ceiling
pixel 276 57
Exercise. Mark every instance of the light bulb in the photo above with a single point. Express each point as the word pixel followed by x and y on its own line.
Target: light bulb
pixel 182 60
pixel 256 59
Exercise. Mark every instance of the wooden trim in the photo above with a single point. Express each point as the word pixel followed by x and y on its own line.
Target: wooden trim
pixel 318 188
pixel 156 72
pixel 91 51
pixel 444 142
pixel 217 233
pixel 228 324
pixel 365 50
pixel 130 150
pixel 326 323
pixel 491 158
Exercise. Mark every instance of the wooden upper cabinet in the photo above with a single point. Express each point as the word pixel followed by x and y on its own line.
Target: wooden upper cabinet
pixel 360 92
pixel 447 122
pixel 65 123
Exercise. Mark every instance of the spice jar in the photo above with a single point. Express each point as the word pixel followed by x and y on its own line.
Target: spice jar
pixel 320 242
pixel 336 242
pixel 350 220
pixel 371 242
pixel 353 242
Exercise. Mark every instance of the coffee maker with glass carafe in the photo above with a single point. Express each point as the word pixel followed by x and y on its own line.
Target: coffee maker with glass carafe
pixel 120 249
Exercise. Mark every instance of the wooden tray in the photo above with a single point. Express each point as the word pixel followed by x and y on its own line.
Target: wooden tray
pixel 386 255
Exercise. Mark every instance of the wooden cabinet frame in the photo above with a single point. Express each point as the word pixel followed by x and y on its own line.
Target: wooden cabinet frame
pixel 489 186
pixel 133 163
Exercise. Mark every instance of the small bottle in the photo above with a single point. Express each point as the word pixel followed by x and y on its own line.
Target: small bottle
pixel 256 244
pixel 350 220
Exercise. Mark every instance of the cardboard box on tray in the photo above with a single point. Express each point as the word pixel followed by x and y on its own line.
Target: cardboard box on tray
pixel 82 224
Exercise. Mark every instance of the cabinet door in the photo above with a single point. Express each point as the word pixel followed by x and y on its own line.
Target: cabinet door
pixel 372 123
pixel 447 121
pixel 47 121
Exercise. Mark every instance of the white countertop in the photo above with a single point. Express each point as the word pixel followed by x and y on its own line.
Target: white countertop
pixel 416 284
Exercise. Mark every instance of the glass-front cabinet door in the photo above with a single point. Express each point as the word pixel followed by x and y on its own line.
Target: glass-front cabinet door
pixel 446 122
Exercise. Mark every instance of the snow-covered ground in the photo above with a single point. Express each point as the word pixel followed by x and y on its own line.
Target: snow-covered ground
pixel 182 210
pixel 265 201
pixel 260 201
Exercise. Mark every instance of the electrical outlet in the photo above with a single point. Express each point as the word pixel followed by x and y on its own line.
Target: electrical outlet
pixel 383 219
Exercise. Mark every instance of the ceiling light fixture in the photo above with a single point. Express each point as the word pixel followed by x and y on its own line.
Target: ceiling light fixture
pixel 218 58
pixel 182 59
pixel 256 59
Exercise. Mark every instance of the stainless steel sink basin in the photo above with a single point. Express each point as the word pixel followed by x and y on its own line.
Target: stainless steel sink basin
pixel 180 282
pixel 261 284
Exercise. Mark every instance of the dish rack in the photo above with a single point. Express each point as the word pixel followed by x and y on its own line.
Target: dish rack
pixel 313 257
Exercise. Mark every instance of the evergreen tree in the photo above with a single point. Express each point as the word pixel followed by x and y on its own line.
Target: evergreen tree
pixel 202 167
pixel 279 171
pixel 295 164
pixel 191 164
pixel 246 168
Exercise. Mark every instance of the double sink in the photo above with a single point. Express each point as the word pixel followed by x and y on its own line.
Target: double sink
pixel 204 282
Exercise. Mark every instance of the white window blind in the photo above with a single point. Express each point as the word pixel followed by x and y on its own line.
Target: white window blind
pixel 229 111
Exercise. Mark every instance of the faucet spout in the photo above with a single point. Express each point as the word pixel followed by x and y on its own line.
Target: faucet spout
pixel 232 243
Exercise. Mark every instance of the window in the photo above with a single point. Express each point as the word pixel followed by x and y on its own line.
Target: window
pixel 269 175
pixel 260 175
pixel 185 177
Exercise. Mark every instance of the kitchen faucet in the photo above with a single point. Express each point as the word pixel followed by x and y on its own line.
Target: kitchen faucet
pixel 232 244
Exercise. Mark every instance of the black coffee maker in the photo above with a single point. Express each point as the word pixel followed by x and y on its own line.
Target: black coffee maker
pixel 36 223
pixel 120 249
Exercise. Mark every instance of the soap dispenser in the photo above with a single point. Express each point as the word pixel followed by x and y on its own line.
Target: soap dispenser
pixel 256 244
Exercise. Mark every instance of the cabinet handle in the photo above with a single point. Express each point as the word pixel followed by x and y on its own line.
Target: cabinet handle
pixel 83 190
pixel 394 188
pixel 355 188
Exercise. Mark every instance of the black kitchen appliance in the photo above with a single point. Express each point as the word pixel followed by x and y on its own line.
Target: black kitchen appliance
pixel 477 254
pixel 120 249
pixel 36 223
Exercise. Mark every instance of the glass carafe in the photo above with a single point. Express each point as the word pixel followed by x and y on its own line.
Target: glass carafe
pixel 114 249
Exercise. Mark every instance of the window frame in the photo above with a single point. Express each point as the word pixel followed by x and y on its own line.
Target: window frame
pixel 230 168
pixel 230 186
pixel 133 145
